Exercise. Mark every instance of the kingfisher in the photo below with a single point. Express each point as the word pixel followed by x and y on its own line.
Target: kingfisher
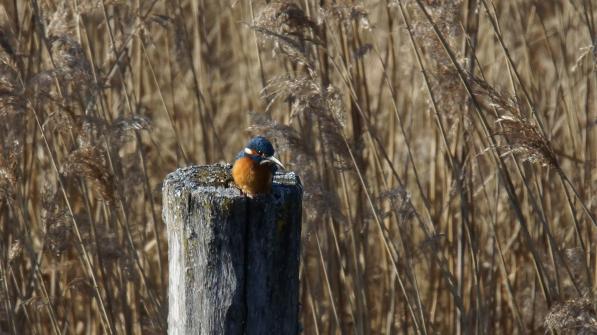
pixel 254 167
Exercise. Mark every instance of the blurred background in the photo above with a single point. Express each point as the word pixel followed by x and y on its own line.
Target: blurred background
pixel 447 149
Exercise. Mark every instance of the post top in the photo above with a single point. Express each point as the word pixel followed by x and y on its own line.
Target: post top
pixel 217 179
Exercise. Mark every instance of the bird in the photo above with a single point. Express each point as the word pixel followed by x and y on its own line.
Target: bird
pixel 254 167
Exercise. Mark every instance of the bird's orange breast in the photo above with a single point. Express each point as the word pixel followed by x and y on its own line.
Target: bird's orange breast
pixel 251 177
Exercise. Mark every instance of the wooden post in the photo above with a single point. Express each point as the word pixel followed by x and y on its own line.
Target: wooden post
pixel 233 261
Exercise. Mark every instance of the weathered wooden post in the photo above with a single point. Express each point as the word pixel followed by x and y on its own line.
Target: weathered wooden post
pixel 233 261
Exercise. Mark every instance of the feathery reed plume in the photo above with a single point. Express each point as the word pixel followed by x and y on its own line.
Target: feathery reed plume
pixel 11 91
pixel 400 203
pixel 12 101
pixel 345 14
pixel 307 96
pixel 286 137
pixel 58 232
pixel 56 219
pixel 58 229
pixel 525 138
pixel 444 79
pixel 521 133
pixel 65 83
pixel 284 18
pixel 70 61
pixel 90 163
pixel 16 249
pixel 60 20
pixel 7 37
pixel 286 25
pixel 9 168
pixel 121 128
pixel 575 316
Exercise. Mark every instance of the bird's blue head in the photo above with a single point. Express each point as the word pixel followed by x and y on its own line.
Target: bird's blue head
pixel 261 150
pixel 261 146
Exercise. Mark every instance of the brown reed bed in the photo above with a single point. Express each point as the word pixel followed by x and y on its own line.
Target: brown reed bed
pixel 448 151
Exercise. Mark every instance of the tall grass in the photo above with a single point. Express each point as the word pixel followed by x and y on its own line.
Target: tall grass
pixel 448 151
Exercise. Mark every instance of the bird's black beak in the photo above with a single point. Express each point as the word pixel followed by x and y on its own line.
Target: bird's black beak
pixel 272 159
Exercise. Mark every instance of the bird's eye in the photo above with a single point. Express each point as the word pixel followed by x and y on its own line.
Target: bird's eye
pixel 260 153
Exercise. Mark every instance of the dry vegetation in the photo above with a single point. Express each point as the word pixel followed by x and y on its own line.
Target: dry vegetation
pixel 448 151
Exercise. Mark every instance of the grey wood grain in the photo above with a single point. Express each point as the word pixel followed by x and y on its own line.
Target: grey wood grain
pixel 233 261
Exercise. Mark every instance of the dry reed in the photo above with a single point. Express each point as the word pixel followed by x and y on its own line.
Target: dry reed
pixel 448 151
